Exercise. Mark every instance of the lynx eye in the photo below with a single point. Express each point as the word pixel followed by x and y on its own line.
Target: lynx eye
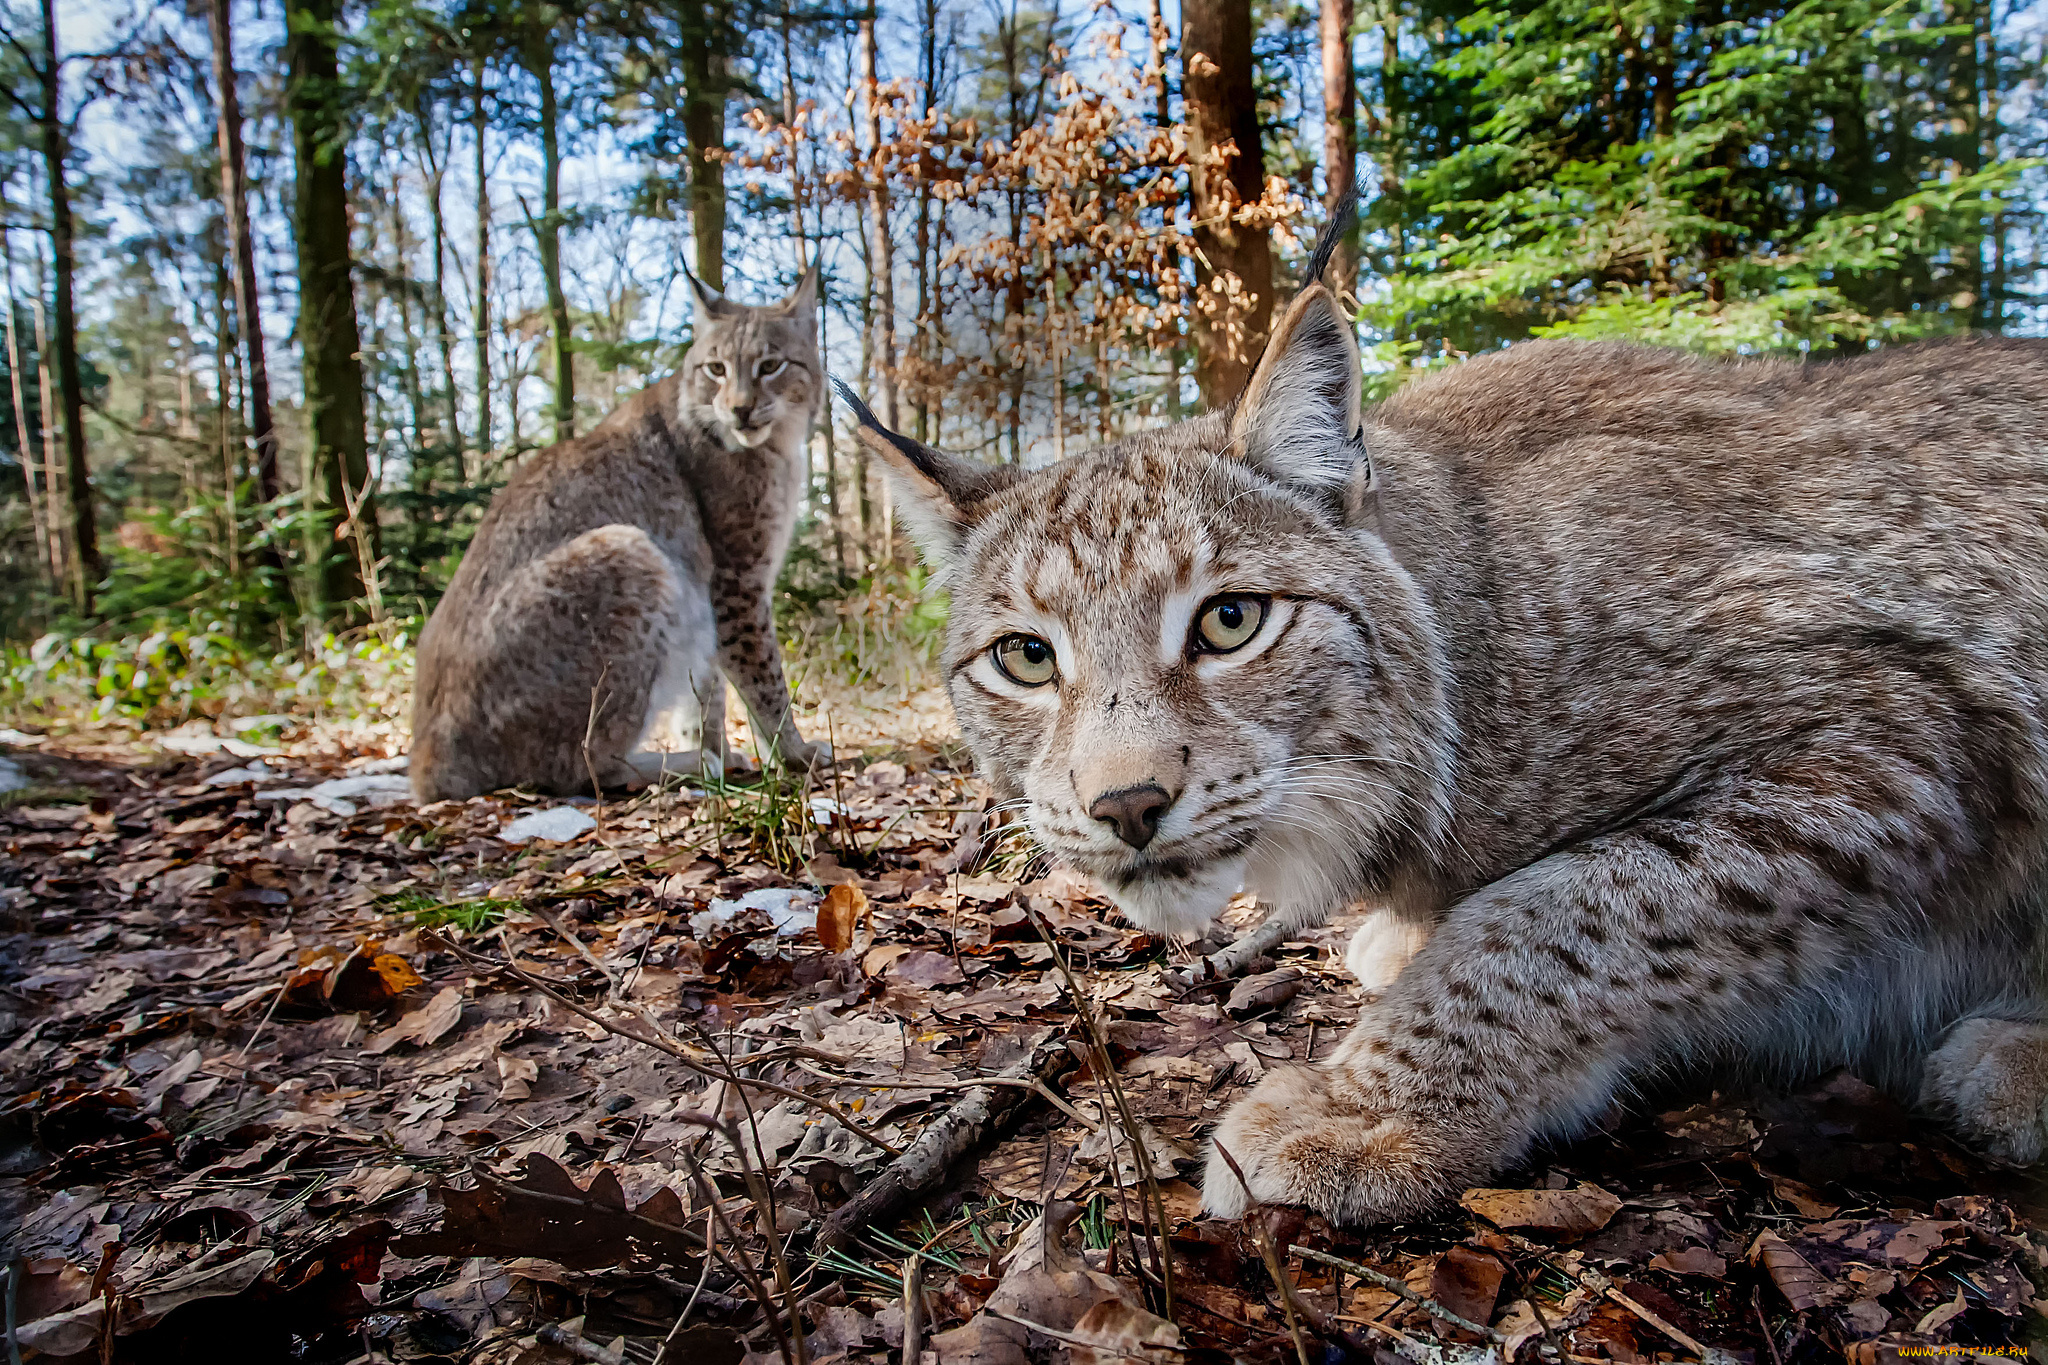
pixel 1024 659
pixel 1228 623
pixel 768 367
pixel 715 368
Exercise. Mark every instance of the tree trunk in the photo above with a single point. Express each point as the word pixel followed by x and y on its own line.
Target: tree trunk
pixel 882 262
pixel 85 540
pixel 54 485
pixel 445 344
pixel 42 505
pixel 480 318
pixel 882 257
pixel 921 330
pixel 1223 123
pixel 330 342
pixel 241 249
pixel 1340 136
pixel 706 82
pixel 548 235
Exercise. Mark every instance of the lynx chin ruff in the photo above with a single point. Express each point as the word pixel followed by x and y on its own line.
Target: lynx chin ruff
pixel 623 576
pixel 1675 711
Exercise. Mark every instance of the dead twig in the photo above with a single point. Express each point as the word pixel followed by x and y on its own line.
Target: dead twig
pixel 1388 1282
pixel 737 1262
pixel 1262 1237
pixel 1600 1284
pixel 1155 1202
pixel 690 1304
pixel 1033 1084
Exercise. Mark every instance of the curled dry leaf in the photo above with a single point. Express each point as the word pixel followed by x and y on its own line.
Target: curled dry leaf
pixel 1267 990
pixel 844 906
pixel 1568 1212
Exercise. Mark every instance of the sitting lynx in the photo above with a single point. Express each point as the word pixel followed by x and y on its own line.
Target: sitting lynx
pixel 1696 708
pixel 619 572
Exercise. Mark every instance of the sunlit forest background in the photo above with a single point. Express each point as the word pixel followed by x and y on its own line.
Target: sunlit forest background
pixel 292 288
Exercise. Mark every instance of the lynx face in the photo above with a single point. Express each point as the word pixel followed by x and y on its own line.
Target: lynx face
pixel 1186 655
pixel 751 368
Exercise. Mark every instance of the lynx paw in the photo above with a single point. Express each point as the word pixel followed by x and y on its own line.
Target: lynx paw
pixel 1990 1078
pixel 1308 1136
pixel 1382 947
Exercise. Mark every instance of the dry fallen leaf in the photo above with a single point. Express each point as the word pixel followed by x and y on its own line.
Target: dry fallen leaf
pixel 1119 1332
pixel 1046 1284
pixel 423 1025
pixel 1802 1285
pixel 1691 1261
pixel 1571 1212
pixel 1467 1282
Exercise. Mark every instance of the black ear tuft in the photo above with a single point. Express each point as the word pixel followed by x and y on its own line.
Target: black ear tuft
pixel 1342 219
pixel 921 457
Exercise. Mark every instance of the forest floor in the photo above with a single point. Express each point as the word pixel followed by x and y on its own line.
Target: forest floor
pixel 291 1069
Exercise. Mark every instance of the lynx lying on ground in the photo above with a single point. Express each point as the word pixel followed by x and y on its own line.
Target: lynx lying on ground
pixel 622 570
pixel 1698 707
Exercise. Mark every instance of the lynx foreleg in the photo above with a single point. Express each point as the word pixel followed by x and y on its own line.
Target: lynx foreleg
pixel 1537 994
pixel 751 658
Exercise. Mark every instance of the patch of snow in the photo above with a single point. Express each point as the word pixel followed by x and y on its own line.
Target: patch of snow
pixel 347 795
pixel 558 824
pixel 790 909
pixel 20 739
pixel 257 771
pixel 365 767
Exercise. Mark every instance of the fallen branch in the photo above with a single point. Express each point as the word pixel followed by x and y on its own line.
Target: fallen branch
pixel 1232 959
pixel 924 1163
pixel 575 1346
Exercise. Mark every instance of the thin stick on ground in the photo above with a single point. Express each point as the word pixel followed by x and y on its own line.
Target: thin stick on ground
pixel 1389 1283
pixel 1262 1237
pixel 737 1263
pixel 763 1192
pixel 1070 1339
pixel 690 1305
pixel 1600 1284
pixel 1155 1202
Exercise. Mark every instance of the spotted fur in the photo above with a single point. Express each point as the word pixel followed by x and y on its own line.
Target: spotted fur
pixel 1694 708
pixel 623 576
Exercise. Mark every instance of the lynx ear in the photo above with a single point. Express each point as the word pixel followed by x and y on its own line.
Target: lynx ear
pixel 711 305
pixel 937 492
pixel 1299 418
pixel 803 301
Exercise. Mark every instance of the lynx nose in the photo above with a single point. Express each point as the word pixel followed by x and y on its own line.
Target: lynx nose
pixel 743 415
pixel 1135 812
